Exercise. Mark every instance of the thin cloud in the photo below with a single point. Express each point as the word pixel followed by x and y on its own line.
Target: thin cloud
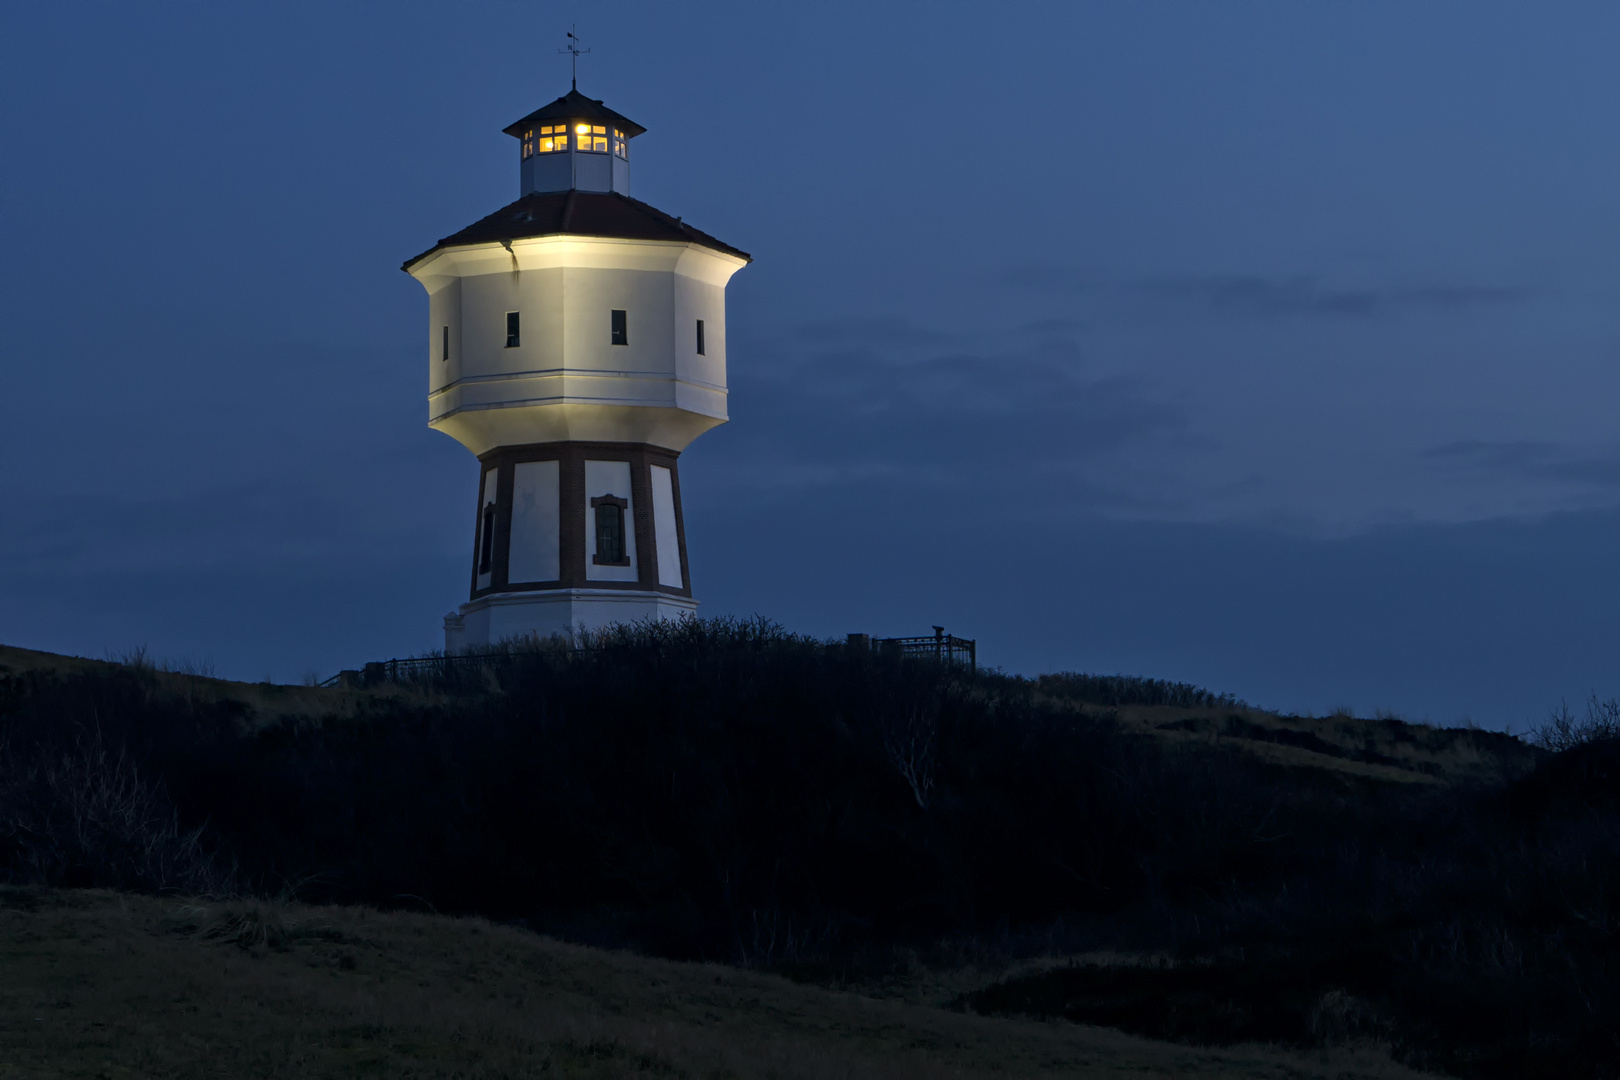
pixel 1308 296
pixel 1262 296
pixel 867 332
pixel 1027 421
pixel 1493 454
pixel 247 524
pixel 1594 466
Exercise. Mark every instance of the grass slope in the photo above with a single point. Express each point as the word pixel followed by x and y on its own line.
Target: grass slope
pixel 102 984
pixel 1379 749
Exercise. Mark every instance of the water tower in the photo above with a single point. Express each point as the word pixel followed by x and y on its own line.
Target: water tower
pixel 576 345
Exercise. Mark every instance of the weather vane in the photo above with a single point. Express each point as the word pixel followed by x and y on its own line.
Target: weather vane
pixel 574 50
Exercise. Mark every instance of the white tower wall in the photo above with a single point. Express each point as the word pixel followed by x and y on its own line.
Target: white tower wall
pixel 566 379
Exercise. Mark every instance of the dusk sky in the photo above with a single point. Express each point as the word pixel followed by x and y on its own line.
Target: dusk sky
pixel 1267 346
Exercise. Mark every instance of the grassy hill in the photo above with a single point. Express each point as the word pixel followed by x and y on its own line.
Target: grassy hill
pixel 1383 749
pixel 1104 850
pixel 100 984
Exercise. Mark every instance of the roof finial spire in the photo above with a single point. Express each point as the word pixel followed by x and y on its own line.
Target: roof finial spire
pixel 574 50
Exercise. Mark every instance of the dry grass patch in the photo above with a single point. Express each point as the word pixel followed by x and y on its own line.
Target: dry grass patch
pixel 99 984
pixel 1379 749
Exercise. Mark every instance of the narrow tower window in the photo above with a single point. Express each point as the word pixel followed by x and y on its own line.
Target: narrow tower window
pixel 511 329
pixel 621 144
pixel 699 338
pixel 444 350
pixel 609 511
pixel 486 545
pixel 621 328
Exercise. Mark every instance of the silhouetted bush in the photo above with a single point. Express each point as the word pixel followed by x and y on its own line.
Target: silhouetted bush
pixel 1118 690
pixel 1563 730
pixel 76 809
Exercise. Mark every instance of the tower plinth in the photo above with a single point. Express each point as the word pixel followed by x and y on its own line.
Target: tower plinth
pixel 576 345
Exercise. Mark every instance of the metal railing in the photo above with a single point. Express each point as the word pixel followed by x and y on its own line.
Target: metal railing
pixel 942 647
pixel 412 669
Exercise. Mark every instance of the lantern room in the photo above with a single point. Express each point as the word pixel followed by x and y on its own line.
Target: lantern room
pixel 574 143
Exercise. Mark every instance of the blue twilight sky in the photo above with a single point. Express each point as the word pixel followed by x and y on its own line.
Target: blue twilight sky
pixel 1270 346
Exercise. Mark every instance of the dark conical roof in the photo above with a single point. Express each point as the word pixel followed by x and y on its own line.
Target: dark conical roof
pixel 578 213
pixel 575 106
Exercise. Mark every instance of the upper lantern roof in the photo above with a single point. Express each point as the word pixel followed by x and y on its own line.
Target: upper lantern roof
pixel 578 213
pixel 575 106
pixel 574 180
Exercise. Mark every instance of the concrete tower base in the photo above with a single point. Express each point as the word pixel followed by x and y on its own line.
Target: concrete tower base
pixel 498 617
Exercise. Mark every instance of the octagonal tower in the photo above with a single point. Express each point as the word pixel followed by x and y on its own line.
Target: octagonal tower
pixel 576 345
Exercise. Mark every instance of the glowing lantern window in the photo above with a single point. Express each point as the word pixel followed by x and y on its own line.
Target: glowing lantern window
pixel 553 139
pixel 592 137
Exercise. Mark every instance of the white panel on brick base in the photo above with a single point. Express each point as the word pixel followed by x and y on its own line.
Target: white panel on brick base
pixel 665 535
pixel 609 478
pixel 536 553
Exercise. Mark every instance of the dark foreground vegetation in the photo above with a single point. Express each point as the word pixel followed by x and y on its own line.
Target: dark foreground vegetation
pixel 730 792
pixel 113 984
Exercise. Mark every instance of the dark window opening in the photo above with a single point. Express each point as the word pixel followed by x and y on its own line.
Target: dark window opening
pixel 621 328
pixel 609 534
pixel 700 337
pixel 486 545
pixel 511 329
pixel 444 351
pixel 610 548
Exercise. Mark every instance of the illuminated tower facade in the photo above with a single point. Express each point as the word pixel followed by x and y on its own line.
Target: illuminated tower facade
pixel 576 345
